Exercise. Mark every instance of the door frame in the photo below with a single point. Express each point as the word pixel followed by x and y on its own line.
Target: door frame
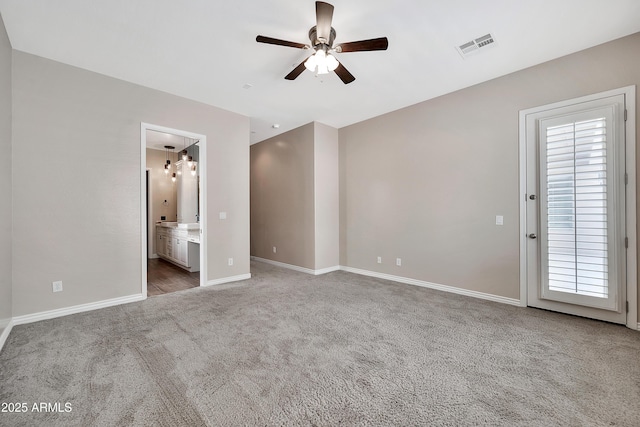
pixel 202 162
pixel 630 193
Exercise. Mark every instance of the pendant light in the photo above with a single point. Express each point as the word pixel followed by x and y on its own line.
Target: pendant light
pixel 173 175
pixel 179 167
pixel 167 165
pixel 184 151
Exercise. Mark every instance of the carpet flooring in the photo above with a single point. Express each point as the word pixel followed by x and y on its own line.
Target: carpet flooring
pixel 286 348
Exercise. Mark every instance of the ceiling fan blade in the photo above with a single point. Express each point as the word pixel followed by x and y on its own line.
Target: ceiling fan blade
pixel 344 74
pixel 380 43
pixel 271 40
pixel 324 15
pixel 296 71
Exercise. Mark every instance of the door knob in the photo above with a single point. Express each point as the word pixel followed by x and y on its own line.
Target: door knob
pixel 532 236
pixel 532 197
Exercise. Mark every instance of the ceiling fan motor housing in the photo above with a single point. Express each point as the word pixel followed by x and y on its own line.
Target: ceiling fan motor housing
pixel 313 37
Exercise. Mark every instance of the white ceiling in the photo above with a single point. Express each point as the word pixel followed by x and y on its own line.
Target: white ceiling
pixel 206 50
pixel 158 140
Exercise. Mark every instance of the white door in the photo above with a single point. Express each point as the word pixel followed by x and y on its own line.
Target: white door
pixel 575 209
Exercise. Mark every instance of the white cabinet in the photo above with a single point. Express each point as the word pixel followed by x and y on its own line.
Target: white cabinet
pixel 187 187
pixel 161 241
pixel 180 250
pixel 173 245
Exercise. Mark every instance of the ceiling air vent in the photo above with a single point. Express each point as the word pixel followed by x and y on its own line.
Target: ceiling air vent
pixel 472 46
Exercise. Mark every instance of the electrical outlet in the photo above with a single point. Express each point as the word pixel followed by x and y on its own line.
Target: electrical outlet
pixel 499 220
pixel 399 262
pixel 379 260
pixel 230 261
pixel 274 249
pixel 57 286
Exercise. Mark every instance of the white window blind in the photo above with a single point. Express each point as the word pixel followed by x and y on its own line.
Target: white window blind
pixel 576 165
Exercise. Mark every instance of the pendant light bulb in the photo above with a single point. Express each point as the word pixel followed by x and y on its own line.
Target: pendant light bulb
pixel 193 170
pixel 190 161
pixel 166 169
pixel 173 177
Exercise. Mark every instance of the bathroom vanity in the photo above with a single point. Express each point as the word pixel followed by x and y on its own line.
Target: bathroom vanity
pixel 179 244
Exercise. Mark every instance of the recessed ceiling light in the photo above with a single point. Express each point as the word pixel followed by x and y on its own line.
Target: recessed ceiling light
pixel 247 86
pixel 275 125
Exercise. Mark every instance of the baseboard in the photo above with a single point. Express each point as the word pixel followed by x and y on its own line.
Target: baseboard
pixel 327 270
pixel 228 279
pixel 296 267
pixel 51 314
pixel 6 325
pixel 445 288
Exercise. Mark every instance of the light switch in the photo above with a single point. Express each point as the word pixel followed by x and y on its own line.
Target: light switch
pixel 223 215
pixel 499 220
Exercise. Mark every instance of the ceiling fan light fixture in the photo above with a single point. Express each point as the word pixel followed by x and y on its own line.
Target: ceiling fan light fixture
pixel 322 69
pixel 322 36
pixel 321 62
pixel 332 62
pixel 310 63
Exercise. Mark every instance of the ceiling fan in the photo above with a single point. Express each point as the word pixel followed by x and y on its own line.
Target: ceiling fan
pixel 322 36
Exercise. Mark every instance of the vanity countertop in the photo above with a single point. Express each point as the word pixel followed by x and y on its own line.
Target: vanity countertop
pixel 193 229
pixel 180 226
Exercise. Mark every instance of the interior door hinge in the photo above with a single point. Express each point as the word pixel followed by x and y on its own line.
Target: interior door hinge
pixel 625 115
pixel 627 306
pixel 626 242
pixel 626 179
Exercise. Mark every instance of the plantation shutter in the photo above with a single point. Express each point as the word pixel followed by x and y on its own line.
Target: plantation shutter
pixel 577 197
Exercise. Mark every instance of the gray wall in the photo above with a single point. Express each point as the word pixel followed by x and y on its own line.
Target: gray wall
pixel 326 196
pixel 282 198
pixel 295 196
pixel 77 191
pixel 5 178
pixel 424 183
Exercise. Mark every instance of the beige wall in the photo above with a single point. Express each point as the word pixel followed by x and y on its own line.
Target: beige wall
pixel 161 189
pixel 295 198
pixel 425 183
pixel 326 196
pixel 5 178
pixel 282 198
pixel 77 200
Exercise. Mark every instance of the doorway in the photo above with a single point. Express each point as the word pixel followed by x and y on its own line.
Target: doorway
pixel 579 207
pixel 173 221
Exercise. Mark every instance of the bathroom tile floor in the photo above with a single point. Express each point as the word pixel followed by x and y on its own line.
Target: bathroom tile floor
pixel 164 277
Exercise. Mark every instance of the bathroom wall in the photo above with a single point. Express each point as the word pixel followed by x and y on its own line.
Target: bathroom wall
pixel 162 194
